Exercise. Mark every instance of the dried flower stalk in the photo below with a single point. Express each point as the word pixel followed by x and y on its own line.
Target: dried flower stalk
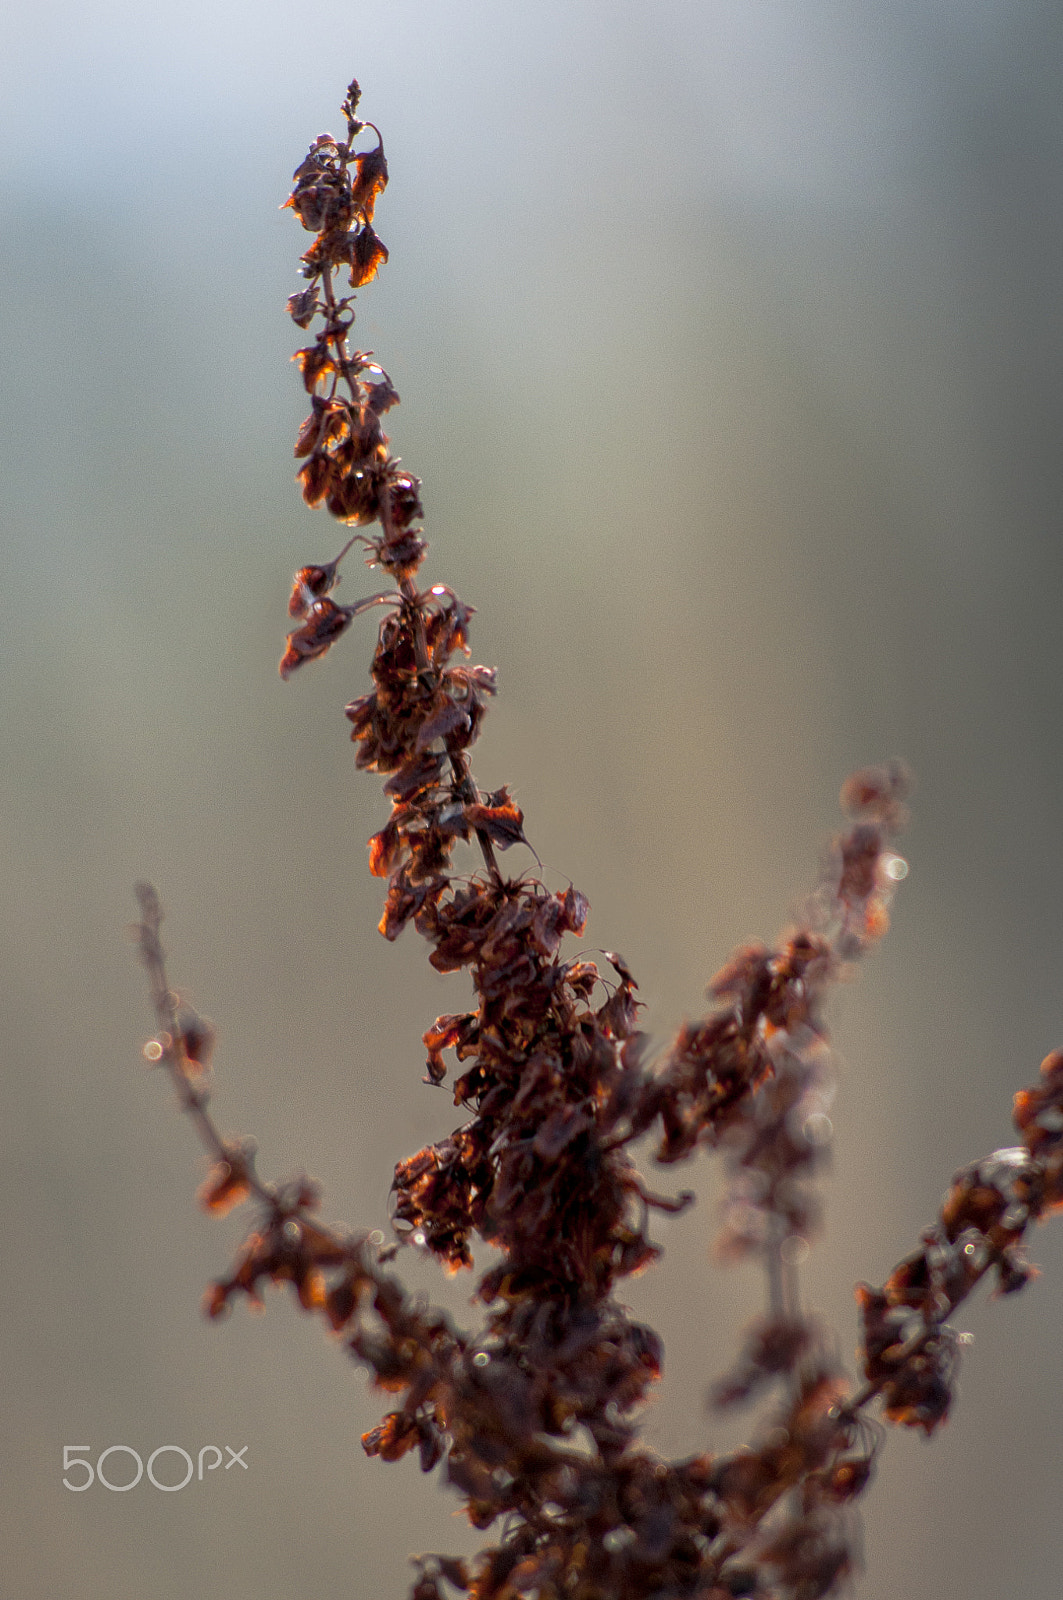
pixel 534 1417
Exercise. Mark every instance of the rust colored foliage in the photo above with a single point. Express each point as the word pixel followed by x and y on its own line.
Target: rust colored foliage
pixel 533 1418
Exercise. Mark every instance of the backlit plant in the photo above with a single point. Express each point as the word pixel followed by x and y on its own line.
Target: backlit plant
pixel 533 1415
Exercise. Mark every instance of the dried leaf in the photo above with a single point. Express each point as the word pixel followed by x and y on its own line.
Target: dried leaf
pixel 226 1187
pixel 315 362
pixel 500 818
pixel 325 622
pixel 380 397
pixel 384 850
pixel 303 307
pixel 370 182
pixel 366 254
pixel 446 718
pixel 391 1438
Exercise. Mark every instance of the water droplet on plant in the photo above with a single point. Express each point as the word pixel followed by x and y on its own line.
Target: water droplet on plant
pixel 818 1129
pixel 794 1250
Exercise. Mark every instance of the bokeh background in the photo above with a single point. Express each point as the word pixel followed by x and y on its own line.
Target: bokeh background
pixel 729 336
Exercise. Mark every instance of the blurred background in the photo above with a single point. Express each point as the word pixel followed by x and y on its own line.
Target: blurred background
pixel 729 336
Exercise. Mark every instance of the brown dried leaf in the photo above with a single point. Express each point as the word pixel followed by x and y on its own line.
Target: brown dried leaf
pixel 196 1038
pixel 366 254
pixel 370 182
pixel 315 362
pixel 446 718
pixel 500 818
pixel 324 624
pixel 384 851
pixel 226 1187
pixel 381 396
pixel 316 477
pixel 303 307
pixel 391 1439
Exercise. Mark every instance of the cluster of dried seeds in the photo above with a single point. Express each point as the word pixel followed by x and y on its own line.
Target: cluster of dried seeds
pixel 534 1418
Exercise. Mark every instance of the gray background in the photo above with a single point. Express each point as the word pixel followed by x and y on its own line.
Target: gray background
pixel 729 340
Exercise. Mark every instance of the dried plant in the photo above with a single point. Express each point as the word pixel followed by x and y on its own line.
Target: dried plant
pixel 533 1417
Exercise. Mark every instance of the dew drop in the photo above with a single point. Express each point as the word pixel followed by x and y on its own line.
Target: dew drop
pixel 794 1250
pixel 818 1129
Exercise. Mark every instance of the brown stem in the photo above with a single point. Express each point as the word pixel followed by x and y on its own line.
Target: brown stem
pixel 194 1100
pixel 339 338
